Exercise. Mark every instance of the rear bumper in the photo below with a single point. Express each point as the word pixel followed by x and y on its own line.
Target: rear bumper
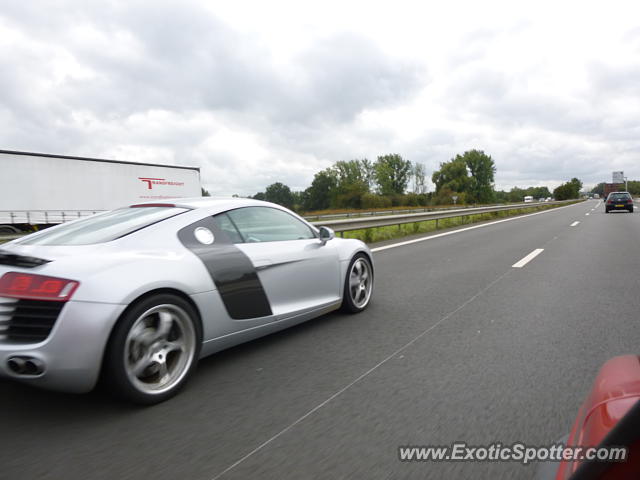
pixel 613 207
pixel 72 354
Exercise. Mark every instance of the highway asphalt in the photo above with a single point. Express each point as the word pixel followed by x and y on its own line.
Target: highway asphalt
pixel 457 345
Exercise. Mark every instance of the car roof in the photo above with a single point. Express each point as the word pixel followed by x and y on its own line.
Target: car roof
pixel 213 204
pixel 206 202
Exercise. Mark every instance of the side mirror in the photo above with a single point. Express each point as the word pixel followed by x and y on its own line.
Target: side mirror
pixel 326 234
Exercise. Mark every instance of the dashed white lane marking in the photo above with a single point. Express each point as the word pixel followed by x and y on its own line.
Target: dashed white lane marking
pixel 574 224
pixel 401 349
pixel 587 214
pixel 528 258
pixel 460 230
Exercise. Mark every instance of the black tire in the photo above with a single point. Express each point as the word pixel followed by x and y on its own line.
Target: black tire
pixel 606 210
pixel 349 304
pixel 631 210
pixel 186 329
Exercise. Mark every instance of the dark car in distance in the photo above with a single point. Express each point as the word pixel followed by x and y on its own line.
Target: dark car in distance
pixel 618 201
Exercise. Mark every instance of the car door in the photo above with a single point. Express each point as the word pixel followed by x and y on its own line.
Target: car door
pixel 298 272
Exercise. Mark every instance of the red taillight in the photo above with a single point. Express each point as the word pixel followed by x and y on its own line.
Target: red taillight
pixel 36 287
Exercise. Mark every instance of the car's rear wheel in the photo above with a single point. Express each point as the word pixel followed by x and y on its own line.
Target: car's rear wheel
pixel 631 210
pixel 358 284
pixel 153 349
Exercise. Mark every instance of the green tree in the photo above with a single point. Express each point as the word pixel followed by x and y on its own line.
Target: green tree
pixel 259 196
pixel 318 196
pixel 279 193
pixel 569 190
pixel 633 187
pixel 369 171
pixel 453 176
pixel 351 175
pixel 576 185
pixel 352 183
pixel 482 170
pixel 205 193
pixel 392 174
pixel 599 189
pixel 538 192
pixel 502 196
pixel 516 195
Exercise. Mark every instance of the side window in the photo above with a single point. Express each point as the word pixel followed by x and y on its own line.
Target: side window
pixel 265 224
pixel 226 225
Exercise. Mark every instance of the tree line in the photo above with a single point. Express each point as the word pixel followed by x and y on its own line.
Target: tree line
pixel 633 187
pixel 393 181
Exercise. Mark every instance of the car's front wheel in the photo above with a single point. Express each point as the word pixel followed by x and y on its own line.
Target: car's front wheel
pixel 153 349
pixel 358 284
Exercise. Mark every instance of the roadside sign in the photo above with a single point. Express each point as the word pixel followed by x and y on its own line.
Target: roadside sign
pixel 618 177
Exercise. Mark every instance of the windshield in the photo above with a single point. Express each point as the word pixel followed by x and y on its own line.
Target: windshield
pixel 103 227
pixel 619 196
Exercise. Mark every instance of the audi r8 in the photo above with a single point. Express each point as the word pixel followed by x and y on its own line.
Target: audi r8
pixel 134 297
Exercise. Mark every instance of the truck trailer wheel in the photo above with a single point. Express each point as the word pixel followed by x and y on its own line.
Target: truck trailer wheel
pixel 8 230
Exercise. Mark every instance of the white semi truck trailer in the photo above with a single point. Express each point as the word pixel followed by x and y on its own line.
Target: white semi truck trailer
pixel 38 190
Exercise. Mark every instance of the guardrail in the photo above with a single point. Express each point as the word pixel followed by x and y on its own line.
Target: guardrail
pixel 350 224
pixel 359 223
pixel 399 211
pixel 35 217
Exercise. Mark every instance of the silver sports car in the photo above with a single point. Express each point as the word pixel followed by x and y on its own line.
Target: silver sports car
pixel 135 296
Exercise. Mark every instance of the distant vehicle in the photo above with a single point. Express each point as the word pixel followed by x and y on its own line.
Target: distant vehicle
pixel 596 196
pixel 619 201
pixel 548 199
pixel 528 199
pixel 541 199
pixel 137 295
pixel 40 190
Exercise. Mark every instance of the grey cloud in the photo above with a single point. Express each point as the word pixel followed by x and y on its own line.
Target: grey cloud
pixel 183 58
pixel 182 61
pixel 345 74
pixel 494 99
pixel 615 80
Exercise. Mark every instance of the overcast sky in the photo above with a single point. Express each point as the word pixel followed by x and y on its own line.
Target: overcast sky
pixel 259 92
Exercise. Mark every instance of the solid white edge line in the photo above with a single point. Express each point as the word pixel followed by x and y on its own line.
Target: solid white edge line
pixel 460 230
pixel 574 223
pixel 528 258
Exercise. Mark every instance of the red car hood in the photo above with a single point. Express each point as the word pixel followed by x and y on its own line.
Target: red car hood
pixel 615 390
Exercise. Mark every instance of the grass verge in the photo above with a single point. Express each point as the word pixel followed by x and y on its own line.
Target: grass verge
pixel 380 234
